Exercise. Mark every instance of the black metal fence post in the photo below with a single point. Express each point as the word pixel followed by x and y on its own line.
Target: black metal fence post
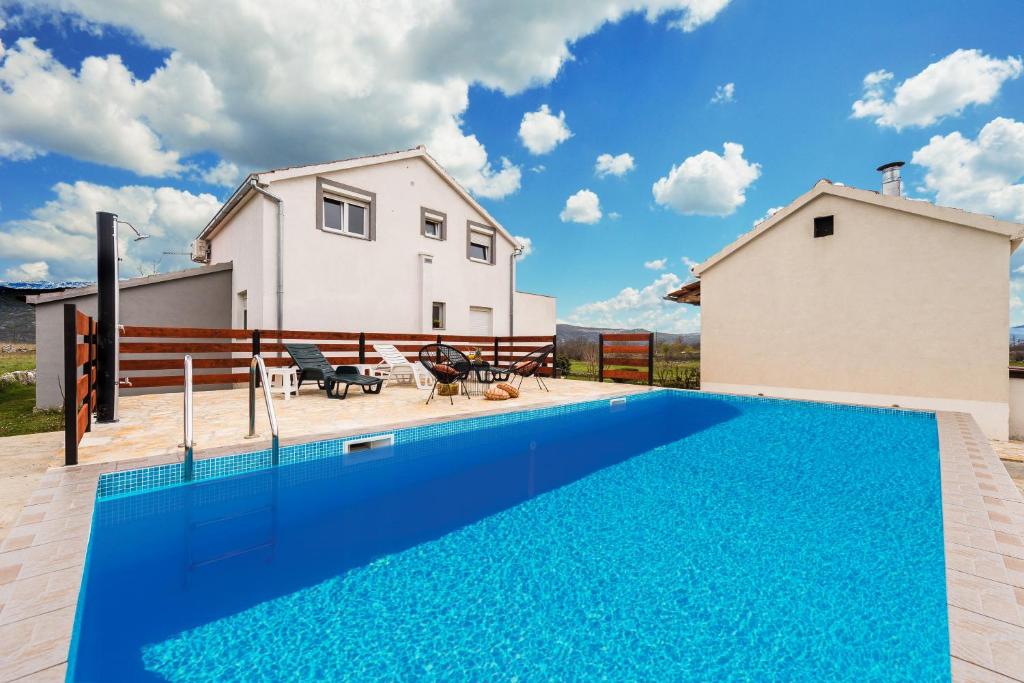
pixel 90 370
pixel 107 316
pixel 600 358
pixel 257 350
pixel 362 348
pixel 650 360
pixel 496 350
pixel 70 387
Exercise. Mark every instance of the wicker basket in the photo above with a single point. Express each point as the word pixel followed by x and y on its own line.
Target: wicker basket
pixel 448 389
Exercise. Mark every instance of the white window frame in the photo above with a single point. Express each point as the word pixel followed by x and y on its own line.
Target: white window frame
pixel 345 200
pixel 438 218
pixel 490 235
pixel 443 316
pixel 436 222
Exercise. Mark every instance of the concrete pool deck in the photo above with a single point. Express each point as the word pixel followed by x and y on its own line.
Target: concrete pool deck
pixel 42 557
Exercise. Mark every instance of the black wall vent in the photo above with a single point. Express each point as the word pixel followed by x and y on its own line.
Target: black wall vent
pixel 824 226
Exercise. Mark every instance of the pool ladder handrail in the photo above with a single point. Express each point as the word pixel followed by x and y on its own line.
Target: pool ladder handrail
pixel 256 365
pixel 187 443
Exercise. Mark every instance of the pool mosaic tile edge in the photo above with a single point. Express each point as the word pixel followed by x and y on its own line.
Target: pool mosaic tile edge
pixel 134 481
pixel 973 481
pixel 142 479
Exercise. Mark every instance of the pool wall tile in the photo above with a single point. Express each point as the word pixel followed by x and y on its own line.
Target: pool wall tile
pixel 134 481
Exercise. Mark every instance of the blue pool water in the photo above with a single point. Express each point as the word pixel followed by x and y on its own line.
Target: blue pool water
pixel 676 537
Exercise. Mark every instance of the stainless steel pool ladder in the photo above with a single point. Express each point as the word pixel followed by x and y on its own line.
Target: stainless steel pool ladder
pixel 187 442
pixel 258 366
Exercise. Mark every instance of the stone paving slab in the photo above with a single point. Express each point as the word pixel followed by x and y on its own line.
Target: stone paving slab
pixel 981 509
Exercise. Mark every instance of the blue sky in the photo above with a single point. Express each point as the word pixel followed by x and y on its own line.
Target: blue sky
pixel 172 107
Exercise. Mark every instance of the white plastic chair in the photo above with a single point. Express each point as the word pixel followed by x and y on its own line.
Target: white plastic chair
pixel 393 360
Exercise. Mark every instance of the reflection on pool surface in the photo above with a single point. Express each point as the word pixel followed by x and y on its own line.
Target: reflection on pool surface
pixel 678 536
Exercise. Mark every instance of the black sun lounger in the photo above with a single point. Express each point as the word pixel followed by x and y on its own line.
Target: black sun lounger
pixel 313 366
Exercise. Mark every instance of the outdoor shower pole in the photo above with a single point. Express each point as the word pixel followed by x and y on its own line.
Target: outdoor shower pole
pixel 107 314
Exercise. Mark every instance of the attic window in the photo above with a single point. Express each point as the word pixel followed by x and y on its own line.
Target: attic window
pixel 824 226
pixel 479 243
pixel 433 224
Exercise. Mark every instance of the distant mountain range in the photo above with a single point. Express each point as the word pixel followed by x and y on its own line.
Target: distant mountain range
pixel 44 284
pixel 1017 333
pixel 568 332
pixel 17 319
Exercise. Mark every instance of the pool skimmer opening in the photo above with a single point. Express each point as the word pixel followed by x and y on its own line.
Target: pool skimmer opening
pixel 367 444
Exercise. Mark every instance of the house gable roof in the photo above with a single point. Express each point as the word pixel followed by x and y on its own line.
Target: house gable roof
pixel 245 190
pixel 1014 232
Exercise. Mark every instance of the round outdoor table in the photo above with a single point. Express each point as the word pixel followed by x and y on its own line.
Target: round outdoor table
pixel 478 378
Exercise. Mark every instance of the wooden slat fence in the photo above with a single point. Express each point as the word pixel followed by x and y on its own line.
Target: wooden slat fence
pixel 153 356
pixel 632 353
pixel 79 379
pixel 220 356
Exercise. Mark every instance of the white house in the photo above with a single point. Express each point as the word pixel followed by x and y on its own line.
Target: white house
pixel 384 244
pixel 854 296
pixel 389 242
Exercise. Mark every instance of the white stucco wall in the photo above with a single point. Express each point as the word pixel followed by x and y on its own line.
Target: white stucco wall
pixel 1017 407
pixel 336 282
pixel 894 308
pixel 535 314
pixel 241 241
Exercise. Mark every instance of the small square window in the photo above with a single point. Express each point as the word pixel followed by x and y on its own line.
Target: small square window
pixel 481 246
pixel 437 315
pixel 824 226
pixel 433 223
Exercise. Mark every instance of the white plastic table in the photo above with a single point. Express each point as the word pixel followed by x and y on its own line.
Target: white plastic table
pixel 284 381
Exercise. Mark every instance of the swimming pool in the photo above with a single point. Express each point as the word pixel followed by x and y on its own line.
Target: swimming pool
pixel 675 536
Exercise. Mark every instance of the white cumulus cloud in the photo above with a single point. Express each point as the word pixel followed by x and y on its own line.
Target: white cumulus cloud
pixel 61 234
pixel 724 94
pixel 582 207
pixel 618 165
pixel 644 308
pixel 224 173
pixel 33 271
pixel 466 159
pixel 97 114
pixel 260 87
pixel 541 131
pixel 656 264
pixel 707 183
pixel 983 174
pixel 768 214
pixel 526 244
pixel 944 88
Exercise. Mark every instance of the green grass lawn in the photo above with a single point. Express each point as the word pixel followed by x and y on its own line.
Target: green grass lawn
pixel 588 371
pixel 17 401
pixel 9 362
